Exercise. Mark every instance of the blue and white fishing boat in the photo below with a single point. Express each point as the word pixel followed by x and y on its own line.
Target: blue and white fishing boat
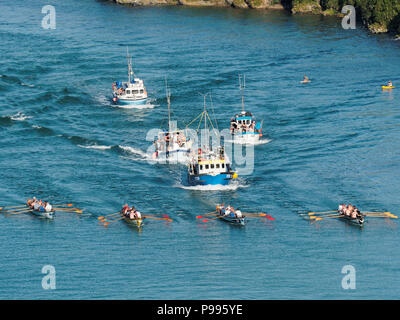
pixel 209 166
pixel 244 127
pixel 172 145
pixel 132 92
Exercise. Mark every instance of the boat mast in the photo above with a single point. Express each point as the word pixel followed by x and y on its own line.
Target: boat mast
pixel 130 70
pixel 169 105
pixel 241 87
pixel 205 123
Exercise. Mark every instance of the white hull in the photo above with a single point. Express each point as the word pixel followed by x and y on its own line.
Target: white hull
pixel 248 138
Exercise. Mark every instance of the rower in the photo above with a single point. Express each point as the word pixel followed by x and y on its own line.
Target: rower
pixel 47 206
pixel 238 213
pixel 125 209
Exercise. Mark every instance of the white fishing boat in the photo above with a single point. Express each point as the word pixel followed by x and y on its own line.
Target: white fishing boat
pixel 172 145
pixel 244 127
pixel 132 92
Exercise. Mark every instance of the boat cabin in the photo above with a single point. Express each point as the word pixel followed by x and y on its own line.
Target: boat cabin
pixel 211 167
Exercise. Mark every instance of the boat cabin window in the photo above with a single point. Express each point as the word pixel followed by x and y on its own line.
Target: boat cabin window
pixel 135 91
pixel 201 167
pixel 207 166
pixel 212 166
pixel 217 165
pixel 222 165
pixel 128 91
pixel 141 90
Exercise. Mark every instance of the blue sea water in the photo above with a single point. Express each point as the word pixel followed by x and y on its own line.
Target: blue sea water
pixel 333 140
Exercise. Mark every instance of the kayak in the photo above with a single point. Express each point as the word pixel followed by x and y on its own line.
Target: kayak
pixel 386 87
pixel 134 222
pixel 239 221
pixel 44 214
pixel 359 221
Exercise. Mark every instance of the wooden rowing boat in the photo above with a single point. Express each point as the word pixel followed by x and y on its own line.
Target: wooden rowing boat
pixel 44 214
pixel 359 221
pixel 239 221
pixel 235 220
pixel 134 222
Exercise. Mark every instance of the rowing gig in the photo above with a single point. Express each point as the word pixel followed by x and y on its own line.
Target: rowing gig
pixel 44 214
pixel 239 221
pixel 134 222
pixel 359 221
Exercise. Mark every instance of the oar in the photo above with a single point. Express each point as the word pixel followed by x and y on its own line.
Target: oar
pixel 206 215
pixel 161 215
pixel 257 214
pixel 325 216
pixel 205 220
pixel 107 223
pixel 149 217
pixel 262 217
pixel 73 211
pixel 68 209
pixel 25 211
pixel 330 217
pixel 23 205
pixel 63 205
pixel 18 211
pixel 108 215
pixel 322 212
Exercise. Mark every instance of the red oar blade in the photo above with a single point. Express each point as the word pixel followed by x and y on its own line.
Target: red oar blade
pixel 205 220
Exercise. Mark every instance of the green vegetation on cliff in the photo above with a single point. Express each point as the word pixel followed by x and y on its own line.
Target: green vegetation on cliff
pixel 378 15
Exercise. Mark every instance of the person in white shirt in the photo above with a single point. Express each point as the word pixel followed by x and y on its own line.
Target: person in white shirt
pixel 47 206
pixel 238 213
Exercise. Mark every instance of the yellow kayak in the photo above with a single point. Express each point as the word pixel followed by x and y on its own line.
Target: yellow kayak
pixel 386 87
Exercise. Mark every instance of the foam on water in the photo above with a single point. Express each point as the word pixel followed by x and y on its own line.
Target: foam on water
pixel 20 117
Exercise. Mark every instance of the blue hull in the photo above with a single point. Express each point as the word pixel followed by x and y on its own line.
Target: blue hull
pixel 131 102
pixel 204 180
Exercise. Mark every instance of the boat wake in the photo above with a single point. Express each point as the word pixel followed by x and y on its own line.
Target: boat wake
pixel 97 147
pixel 218 187
pixel 256 143
pixel 136 106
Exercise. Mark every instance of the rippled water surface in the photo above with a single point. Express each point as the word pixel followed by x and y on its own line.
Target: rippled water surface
pixel 333 140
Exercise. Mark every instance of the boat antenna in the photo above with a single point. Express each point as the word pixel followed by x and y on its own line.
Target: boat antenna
pixel 242 85
pixel 168 93
pixel 205 121
pixel 130 70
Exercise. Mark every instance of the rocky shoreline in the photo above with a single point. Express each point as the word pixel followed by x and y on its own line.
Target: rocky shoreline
pixel 382 17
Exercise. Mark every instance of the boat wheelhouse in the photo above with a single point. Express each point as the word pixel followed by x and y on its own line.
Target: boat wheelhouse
pixel 132 92
pixel 210 168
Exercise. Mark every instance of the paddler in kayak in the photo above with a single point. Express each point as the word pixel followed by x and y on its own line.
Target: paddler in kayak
pixel 390 84
pixel 305 79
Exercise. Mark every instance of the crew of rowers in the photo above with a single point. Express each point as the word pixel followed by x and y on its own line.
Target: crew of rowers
pixel 229 211
pixel 39 205
pixel 131 213
pixel 349 211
